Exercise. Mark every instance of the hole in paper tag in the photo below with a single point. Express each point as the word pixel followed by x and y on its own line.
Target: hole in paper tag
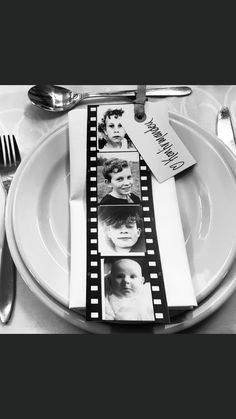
pixel 140 117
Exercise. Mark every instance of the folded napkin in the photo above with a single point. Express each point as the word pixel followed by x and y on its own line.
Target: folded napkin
pixel 175 267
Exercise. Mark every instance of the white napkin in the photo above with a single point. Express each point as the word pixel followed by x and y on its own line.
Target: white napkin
pixel 175 266
pixel 78 218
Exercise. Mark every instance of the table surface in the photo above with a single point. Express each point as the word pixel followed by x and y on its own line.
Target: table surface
pixel 31 315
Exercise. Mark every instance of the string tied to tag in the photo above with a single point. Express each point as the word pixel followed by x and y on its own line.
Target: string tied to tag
pixel 139 109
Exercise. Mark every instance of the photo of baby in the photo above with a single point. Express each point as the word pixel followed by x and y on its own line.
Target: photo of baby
pixel 120 230
pixel 111 134
pixel 127 297
pixel 118 179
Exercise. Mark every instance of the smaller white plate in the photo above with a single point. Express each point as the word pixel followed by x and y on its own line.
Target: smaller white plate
pixel 41 212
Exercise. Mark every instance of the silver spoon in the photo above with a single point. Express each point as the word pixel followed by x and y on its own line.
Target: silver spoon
pixel 59 99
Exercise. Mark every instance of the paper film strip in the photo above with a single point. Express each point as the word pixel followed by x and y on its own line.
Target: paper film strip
pixel 152 256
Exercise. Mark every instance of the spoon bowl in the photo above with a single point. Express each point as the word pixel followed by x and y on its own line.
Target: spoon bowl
pixel 53 98
pixel 60 99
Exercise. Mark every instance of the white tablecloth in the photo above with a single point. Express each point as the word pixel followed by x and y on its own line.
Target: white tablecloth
pixel 18 116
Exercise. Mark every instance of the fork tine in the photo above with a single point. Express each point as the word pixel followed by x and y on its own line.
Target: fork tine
pixel 8 154
pixel 3 151
pixel 16 149
pixel 12 149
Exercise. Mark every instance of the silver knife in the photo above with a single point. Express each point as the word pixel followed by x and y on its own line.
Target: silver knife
pixel 8 290
pixel 224 128
pixel 7 268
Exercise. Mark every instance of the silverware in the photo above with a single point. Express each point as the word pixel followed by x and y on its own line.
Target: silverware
pixel 9 161
pixel 224 128
pixel 59 99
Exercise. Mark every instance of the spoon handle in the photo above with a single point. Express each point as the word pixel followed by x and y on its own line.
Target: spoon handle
pixel 155 92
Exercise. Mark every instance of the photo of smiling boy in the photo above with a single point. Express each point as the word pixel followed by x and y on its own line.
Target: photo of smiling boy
pixel 120 230
pixel 111 134
pixel 119 181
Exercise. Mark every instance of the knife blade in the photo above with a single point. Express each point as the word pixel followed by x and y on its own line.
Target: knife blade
pixel 224 128
pixel 7 268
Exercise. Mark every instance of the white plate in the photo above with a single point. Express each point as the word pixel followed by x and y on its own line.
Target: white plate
pixel 185 320
pixel 41 213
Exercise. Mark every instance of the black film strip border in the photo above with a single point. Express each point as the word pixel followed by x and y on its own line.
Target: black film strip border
pixel 152 255
pixel 93 299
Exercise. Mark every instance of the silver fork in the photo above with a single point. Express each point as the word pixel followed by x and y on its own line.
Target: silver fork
pixel 9 161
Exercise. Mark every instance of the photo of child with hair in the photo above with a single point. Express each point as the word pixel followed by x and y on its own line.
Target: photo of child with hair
pixel 111 134
pixel 127 295
pixel 120 230
pixel 119 179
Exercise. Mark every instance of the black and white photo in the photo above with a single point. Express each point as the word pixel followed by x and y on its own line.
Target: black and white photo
pixel 111 134
pixel 120 230
pixel 126 293
pixel 118 178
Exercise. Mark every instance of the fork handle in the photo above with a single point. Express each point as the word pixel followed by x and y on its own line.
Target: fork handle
pixel 7 283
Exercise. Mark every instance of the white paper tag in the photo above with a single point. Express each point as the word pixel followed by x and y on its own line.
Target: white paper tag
pixel 156 141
